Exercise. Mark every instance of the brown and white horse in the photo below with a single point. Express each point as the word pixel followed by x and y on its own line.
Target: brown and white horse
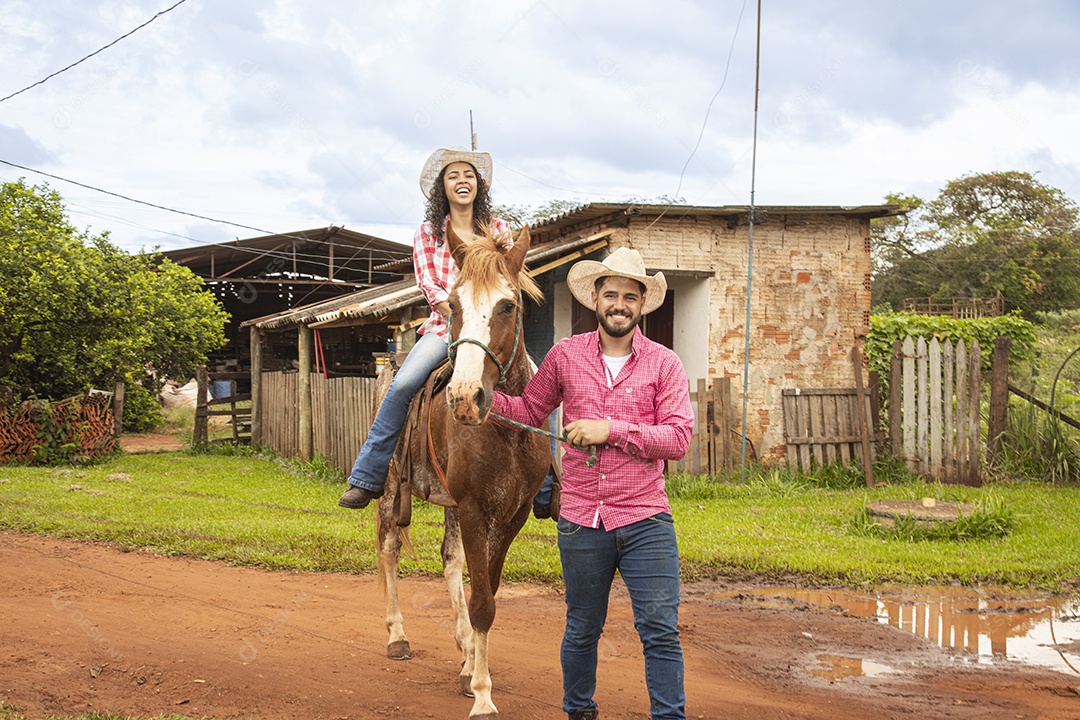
pixel 491 472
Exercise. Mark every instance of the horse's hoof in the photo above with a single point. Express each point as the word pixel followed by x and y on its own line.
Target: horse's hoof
pixel 466 685
pixel 485 716
pixel 399 650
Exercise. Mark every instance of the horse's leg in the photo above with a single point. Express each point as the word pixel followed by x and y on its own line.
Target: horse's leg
pixel 389 550
pixel 475 536
pixel 453 556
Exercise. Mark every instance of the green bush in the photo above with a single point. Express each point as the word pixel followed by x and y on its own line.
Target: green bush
pixel 142 412
pixel 886 328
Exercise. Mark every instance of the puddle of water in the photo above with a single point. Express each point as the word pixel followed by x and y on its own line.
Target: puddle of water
pixel 979 625
pixel 838 667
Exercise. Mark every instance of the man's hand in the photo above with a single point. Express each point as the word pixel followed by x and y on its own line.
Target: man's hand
pixel 582 433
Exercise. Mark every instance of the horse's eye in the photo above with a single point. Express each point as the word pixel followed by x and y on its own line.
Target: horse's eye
pixel 507 307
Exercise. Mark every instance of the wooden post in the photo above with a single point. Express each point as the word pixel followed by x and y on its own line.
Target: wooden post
pixel 201 433
pixel 118 409
pixel 303 401
pixel 864 430
pixel 974 474
pixel 999 396
pixel 896 383
pixel 256 386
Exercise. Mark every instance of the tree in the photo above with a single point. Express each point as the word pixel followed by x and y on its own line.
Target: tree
pixel 77 311
pixel 984 234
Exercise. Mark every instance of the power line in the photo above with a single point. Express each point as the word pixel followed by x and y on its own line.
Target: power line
pixel 138 202
pixel 65 69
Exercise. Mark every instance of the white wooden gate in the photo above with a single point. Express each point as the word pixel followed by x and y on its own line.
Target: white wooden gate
pixel 934 395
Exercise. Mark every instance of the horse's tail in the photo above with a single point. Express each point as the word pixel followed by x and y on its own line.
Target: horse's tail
pixel 406 542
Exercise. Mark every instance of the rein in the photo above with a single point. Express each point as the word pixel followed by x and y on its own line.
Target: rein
pixel 451 352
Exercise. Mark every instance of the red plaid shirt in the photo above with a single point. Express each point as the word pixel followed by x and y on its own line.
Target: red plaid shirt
pixel 648 407
pixel 436 271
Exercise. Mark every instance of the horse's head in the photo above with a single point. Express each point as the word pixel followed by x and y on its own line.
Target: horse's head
pixel 485 328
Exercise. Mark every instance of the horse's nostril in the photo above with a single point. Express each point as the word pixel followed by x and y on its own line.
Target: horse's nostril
pixel 480 398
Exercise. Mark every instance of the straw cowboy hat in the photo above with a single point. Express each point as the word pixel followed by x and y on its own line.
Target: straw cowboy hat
pixel 444 156
pixel 623 262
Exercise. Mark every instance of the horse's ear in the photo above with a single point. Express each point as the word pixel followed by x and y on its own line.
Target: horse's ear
pixel 516 255
pixel 456 244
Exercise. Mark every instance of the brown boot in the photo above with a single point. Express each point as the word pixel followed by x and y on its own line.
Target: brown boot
pixel 357 497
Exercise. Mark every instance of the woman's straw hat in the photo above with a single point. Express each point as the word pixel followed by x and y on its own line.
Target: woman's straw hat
pixel 444 156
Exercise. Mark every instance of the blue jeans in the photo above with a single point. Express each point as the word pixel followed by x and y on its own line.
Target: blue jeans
pixel 647 556
pixel 369 470
pixel 543 495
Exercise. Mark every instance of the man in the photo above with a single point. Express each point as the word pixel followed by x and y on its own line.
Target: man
pixel 625 398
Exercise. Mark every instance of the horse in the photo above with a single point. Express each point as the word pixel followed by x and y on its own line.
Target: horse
pixel 484 474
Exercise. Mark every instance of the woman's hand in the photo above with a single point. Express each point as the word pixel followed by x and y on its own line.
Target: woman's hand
pixel 504 241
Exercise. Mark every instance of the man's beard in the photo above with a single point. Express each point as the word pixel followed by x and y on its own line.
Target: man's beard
pixel 620 331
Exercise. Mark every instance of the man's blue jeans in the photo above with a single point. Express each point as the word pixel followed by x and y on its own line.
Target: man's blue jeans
pixel 369 470
pixel 646 555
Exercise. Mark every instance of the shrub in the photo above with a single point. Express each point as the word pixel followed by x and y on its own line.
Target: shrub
pixel 142 412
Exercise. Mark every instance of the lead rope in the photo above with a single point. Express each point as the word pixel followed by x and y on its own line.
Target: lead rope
pixel 593 453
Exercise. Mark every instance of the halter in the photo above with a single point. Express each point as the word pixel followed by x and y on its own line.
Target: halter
pixel 451 350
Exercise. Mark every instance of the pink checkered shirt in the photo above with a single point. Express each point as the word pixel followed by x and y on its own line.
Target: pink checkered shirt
pixel 648 406
pixel 436 272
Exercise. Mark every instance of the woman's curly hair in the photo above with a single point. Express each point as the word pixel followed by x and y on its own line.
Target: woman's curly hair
pixel 438 207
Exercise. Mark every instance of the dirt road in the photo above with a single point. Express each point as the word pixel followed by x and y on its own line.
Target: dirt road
pixel 85 627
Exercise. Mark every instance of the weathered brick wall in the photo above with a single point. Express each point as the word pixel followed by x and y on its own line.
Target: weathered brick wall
pixel 810 301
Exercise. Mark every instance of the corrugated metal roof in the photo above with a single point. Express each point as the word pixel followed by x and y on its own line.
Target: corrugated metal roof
pixel 595 211
pixel 384 299
pixel 353 257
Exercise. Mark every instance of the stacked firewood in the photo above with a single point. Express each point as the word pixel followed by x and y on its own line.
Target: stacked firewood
pixel 82 424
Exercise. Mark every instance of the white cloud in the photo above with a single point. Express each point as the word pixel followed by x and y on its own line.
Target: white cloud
pixel 292 114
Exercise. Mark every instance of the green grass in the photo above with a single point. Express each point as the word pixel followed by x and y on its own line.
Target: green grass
pixel 252 509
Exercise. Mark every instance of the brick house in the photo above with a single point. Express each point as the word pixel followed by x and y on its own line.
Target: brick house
pixel 810 293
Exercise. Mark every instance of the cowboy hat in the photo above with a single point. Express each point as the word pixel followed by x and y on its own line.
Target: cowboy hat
pixel 623 262
pixel 443 157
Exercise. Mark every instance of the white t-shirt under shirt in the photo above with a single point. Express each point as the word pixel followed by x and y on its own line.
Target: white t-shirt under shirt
pixel 614 366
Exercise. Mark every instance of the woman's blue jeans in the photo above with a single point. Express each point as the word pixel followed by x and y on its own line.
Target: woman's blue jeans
pixel 646 555
pixel 369 470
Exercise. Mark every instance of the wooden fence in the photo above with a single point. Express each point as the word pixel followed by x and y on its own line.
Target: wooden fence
pixel 934 395
pixel 235 406
pixel 341 413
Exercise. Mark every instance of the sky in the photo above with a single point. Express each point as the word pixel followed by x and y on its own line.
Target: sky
pixel 274 116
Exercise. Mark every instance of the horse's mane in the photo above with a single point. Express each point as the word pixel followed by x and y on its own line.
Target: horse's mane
pixel 485 266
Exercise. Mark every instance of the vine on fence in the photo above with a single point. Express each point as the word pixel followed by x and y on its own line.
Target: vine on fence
pixel 887 328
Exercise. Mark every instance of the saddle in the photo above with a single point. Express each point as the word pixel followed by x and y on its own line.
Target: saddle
pixel 417 479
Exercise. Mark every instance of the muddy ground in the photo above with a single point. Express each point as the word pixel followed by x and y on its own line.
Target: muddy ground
pixel 85 626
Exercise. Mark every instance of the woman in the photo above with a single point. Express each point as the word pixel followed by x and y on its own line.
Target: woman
pixel 455 183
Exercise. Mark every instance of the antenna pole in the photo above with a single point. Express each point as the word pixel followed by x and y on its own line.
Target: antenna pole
pixel 750 248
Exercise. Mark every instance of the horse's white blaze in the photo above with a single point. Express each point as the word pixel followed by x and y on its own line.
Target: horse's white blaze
pixel 477 311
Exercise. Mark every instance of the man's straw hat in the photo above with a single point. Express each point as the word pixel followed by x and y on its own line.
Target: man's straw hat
pixel 623 262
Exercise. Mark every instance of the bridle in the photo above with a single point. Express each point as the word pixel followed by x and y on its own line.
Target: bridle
pixel 451 350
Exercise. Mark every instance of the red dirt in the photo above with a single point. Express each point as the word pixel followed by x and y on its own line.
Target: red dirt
pixel 85 626
pixel 151 442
